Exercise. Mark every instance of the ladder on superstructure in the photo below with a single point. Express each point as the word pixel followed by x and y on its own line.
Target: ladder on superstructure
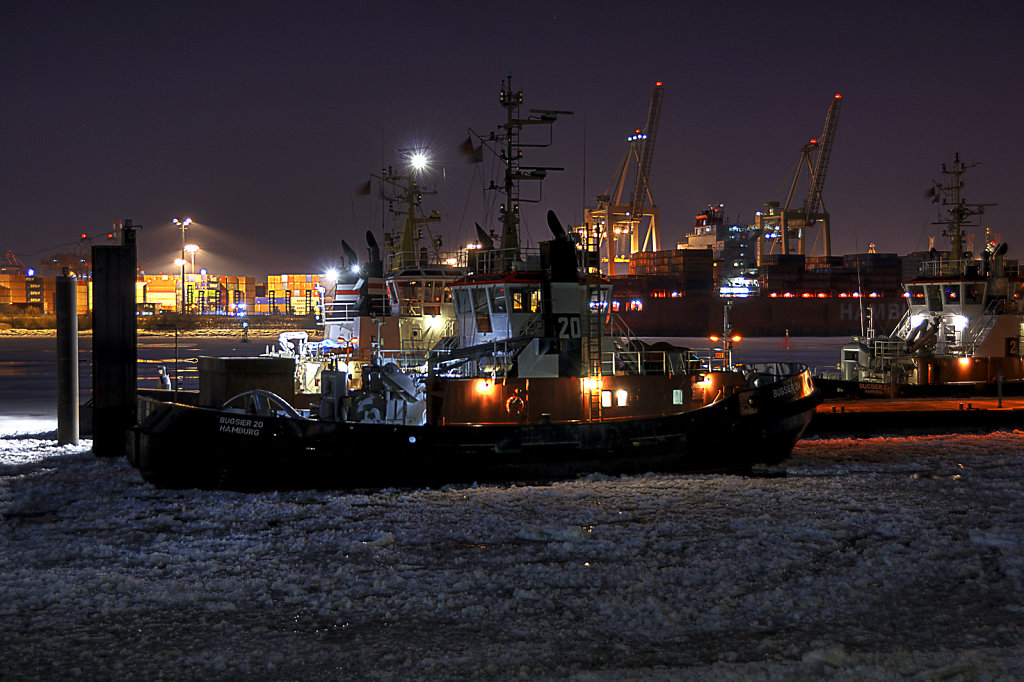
pixel 593 328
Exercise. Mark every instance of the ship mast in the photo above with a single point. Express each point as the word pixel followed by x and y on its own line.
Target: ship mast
pixel 508 146
pixel 405 203
pixel 957 210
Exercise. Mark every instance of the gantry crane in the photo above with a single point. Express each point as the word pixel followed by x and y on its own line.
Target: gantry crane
pixel 786 220
pixel 614 226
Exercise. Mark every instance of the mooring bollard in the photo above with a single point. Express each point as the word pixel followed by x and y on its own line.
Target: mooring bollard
pixel 66 304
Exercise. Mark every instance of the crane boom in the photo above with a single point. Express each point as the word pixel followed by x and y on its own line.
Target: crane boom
pixel 641 189
pixel 817 182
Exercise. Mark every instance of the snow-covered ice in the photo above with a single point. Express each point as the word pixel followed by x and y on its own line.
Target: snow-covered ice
pixel 888 558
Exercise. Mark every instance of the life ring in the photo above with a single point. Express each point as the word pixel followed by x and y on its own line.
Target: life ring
pixel 515 405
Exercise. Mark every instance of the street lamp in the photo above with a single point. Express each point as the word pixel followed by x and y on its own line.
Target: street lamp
pixel 191 250
pixel 183 223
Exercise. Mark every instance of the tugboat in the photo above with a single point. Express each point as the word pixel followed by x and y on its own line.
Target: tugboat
pixel 536 382
pixel 396 305
pixel 963 326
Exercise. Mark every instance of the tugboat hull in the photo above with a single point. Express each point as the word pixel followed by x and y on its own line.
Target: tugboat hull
pixel 182 446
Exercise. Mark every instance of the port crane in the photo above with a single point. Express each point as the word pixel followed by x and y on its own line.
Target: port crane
pixel 615 226
pixel 786 220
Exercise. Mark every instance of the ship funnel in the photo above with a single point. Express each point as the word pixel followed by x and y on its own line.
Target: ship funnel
pixel 485 240
pixel 1001 251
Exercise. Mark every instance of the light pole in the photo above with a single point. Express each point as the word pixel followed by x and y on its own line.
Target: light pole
pixel 183 224
pixel 191 250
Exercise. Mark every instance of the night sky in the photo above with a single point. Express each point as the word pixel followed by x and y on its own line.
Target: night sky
pixel 260 120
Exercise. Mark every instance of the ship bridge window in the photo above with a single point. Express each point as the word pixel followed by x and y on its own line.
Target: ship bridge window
pixel 974 293
pixel 916 292
pixel 483 317
pixel 498 304
pixel 951 294
pixel 525 299
pixel 934 298
pixel 463 303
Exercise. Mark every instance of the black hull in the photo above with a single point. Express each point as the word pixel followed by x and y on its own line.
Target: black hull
pixel 182 446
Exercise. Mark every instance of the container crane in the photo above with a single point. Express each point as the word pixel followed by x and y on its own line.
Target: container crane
pixel 615 225
pixel 815 157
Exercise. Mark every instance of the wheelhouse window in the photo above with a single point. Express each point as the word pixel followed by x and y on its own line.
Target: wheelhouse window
pixel 951 294
pixel 524 299
pixel 934 298
pixel 916 292
pixel 498 303
pixel 483 316
pixel 974 293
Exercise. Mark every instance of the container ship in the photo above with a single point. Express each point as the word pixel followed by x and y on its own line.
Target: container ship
pixel 683 291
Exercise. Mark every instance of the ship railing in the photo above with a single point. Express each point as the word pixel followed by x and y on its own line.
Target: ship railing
pixel 346 311
pixel 943 267
pixel 618 327
pixel 981 325
pixel 628 361
pixel 340 311
pixel 497 260
pixel 405 358
pixel 889 348
pixel 903 327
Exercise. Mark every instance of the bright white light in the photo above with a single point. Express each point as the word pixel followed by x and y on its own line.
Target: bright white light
pixel 331 275
pixel 419 160
pixel 355 268
pixel 960 322
pixel 180 262
pixel 191 248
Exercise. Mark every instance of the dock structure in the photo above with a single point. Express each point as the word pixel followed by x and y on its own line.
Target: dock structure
pixel 874 417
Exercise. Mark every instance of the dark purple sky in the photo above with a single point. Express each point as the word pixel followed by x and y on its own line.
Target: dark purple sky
pixel 258 120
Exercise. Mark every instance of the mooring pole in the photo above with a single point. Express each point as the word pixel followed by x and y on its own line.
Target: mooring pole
pixel 114 344
pixel 66 304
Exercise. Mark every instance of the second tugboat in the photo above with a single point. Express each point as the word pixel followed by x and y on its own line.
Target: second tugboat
pixel 962 328
pixel 537 383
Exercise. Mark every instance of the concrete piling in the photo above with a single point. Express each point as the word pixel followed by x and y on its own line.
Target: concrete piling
pixel 66 304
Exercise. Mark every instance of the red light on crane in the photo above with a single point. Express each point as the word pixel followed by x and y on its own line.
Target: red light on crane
pixel 84 236
pixel 658 84
pixel 838 96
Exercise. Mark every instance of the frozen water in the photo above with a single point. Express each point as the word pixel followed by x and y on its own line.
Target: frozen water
pixel 885 558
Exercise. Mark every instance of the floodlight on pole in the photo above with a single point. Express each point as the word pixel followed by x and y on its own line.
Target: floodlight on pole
pixel 419 160
pixel 183 224
pixel 192 250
